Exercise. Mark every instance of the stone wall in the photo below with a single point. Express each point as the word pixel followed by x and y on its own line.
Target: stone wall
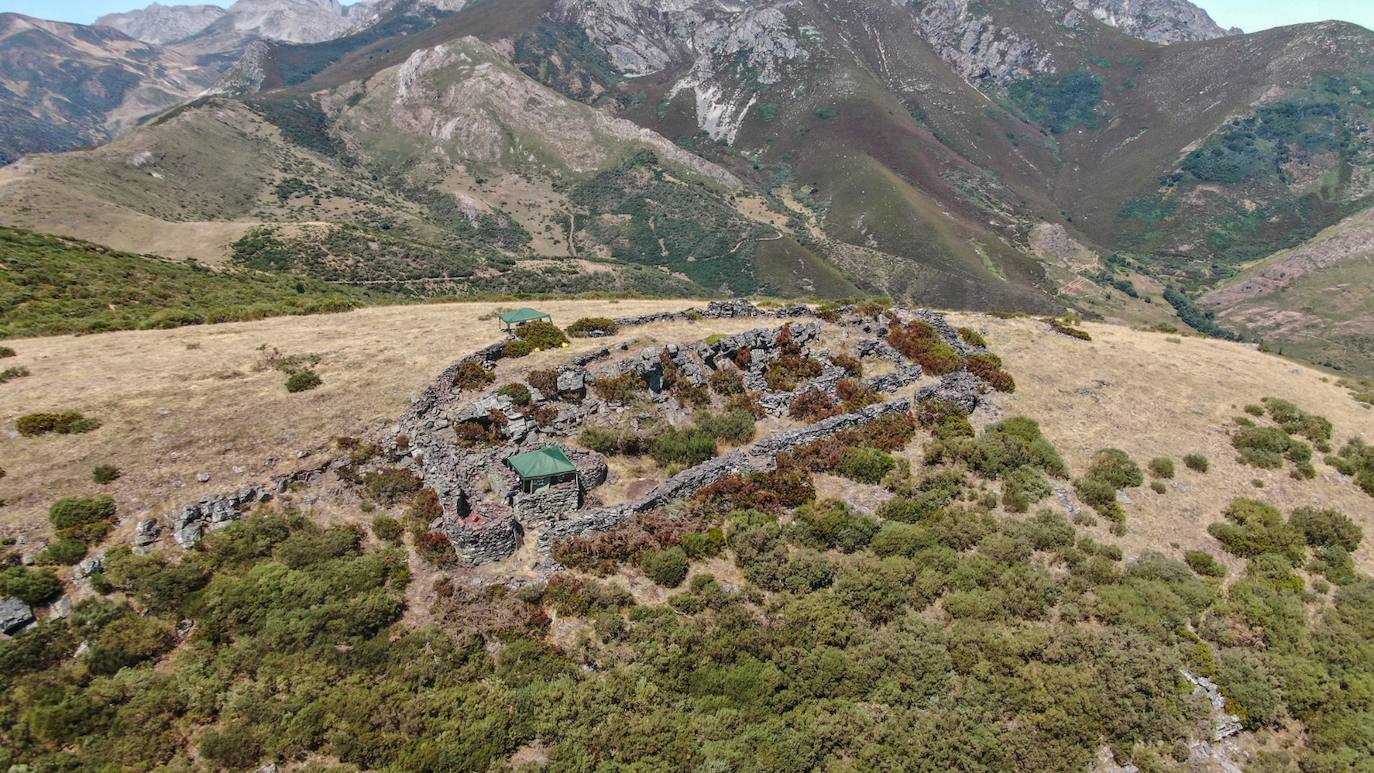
pixel 549 504
pixel 481 539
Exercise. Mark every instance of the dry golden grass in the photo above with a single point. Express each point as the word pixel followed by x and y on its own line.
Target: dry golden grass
pixel 1152 394
pixel 179 402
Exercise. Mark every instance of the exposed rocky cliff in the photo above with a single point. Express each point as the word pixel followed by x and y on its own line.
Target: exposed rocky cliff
pixel 163 23
pixel 1158 21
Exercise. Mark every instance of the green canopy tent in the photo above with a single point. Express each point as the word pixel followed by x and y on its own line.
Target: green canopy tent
pixel 541 468
pixel 516 317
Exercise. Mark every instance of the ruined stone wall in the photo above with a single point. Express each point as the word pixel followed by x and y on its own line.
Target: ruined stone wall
pixel 549 504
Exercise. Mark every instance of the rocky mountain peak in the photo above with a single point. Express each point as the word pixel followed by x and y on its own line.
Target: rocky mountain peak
pixel 163 23
pixel 1158 21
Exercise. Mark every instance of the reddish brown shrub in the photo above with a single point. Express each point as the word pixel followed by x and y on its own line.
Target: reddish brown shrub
pixel 787 486
pixel 727 382
pixel 787 372
pixel 988 367
pixel 855 394
pixel 743 357
pixel 545 381
pixel 852 367
pixel 618 389
pixel 471 375
pixel 811 405
pixel 921 343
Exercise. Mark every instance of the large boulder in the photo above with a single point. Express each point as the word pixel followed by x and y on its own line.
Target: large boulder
pixel 14 615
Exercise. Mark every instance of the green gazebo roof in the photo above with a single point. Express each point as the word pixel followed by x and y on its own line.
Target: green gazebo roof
pixel 544 463
pixel 516 316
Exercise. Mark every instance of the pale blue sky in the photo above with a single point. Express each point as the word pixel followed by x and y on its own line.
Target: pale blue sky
pixel 1249 15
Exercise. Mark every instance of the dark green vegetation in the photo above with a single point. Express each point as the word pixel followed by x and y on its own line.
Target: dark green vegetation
pixel 1269 446
pixel 64 423
pixel 50 285
pixel 1059 102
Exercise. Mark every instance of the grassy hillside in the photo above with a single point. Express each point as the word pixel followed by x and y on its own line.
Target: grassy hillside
pixel 50 285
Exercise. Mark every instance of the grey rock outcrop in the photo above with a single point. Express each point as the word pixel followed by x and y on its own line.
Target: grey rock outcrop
pixel 163 23
pixel 1158 21
pixel 14 615
pixel 213 513
pixel 961 388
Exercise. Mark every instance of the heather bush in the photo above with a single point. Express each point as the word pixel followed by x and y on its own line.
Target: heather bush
pixel 1196 462
pixel 516 392
pixel 105 473
pixel 727 382
pixel 920 342
pixel 787 486
pixel 667 567
pixel 471 375
pixel 392 485
pixel 517 348
pixel 592 326
pixel 854 394
pixel 1204 563
pixel 302 381
pixel 546 381
pixel 31 586
pixel 731 426
pixel 73 512
pixel 810 406
pixel 865 465
pixel 1110 471
pixel 832 525
pixel 63 552
pixel 387 529
pixel 1064 328
pixel 850 364
pixel 973 337
pixel 618 389
pixel 686 447
pixel 988 367
pixel 540 334
pixel 1023 487
pixel 1256 528
pixel 1324 528
pixel 1162 467
pixel 65 423
pixel 789 371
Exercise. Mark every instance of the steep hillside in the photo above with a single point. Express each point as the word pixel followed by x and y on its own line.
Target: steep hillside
pixel 65 86
pixel 161 24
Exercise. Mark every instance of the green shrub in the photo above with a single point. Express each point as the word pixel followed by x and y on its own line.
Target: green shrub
pixel 471 375
pixel 1110 471
pixel 1356 459
pixel 64 552
pixel 541 335
pixel 387 529
pixel 302 381
pixel 1323 528
pixel 66 423
pixel 973 337
pixel 920 342
pixel 600 439
pixel 1157 487
pixel 686 447
pixel 9 374
pixel 1196 462
pixel 1295 421
pixel 865 465
pixel 1254 410
pixel 70 512
pixel 832 525
pixel 1204 563
pixel 392 485
pixel 1023 487
pixel 128 641
pixel 588 326
pixel 6 351
pixel 667 567
pixel 618 389
pixel 1267 447
pixel 1162 467
pixel 516 392
pixel 1256 528
pixel 33 587
pixel 105 473
pixel 732 426
pixel 517 348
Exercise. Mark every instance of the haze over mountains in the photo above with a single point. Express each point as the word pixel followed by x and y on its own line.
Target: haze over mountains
pixel 1008 154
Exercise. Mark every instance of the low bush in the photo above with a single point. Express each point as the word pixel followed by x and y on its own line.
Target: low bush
pixel 1158 487
pixel 592 326
pixel 1356 459
pixel 1110 471
pixel 392 485
pixel 9 374
pixel 105 473
pixel 790 371
pixel 945 419
pixel 973 337
pixel 618 389
pixel 31 586
pixel 854 394
pixel 686 447
pixel 387 529
pixel 63 552
pixel 1064 328
pixel 1204 563
pixel 471 375
pixel 546 381
pixel 732 426
pixel 865 465
pixel 1296 421
pixel 1023 487
pixel 72 512
pixel 1196 462
pixel 6 351
pixel 920 342
pixel 832 525
pixel 302 381
pixel 600 439
pixel 1267 447
pixel 517 348
pixel 811 405
pixel 727 382
pixel 1327 528
pixel 65 423
pixel 1256 528
pixel 516 392
pixel 667 567
pixel 1162 467
pixel 541 335
pixel 850 364
pixel 787 486
pixel 988 367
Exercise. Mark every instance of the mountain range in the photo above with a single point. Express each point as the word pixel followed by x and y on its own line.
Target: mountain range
pixel 1127 159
